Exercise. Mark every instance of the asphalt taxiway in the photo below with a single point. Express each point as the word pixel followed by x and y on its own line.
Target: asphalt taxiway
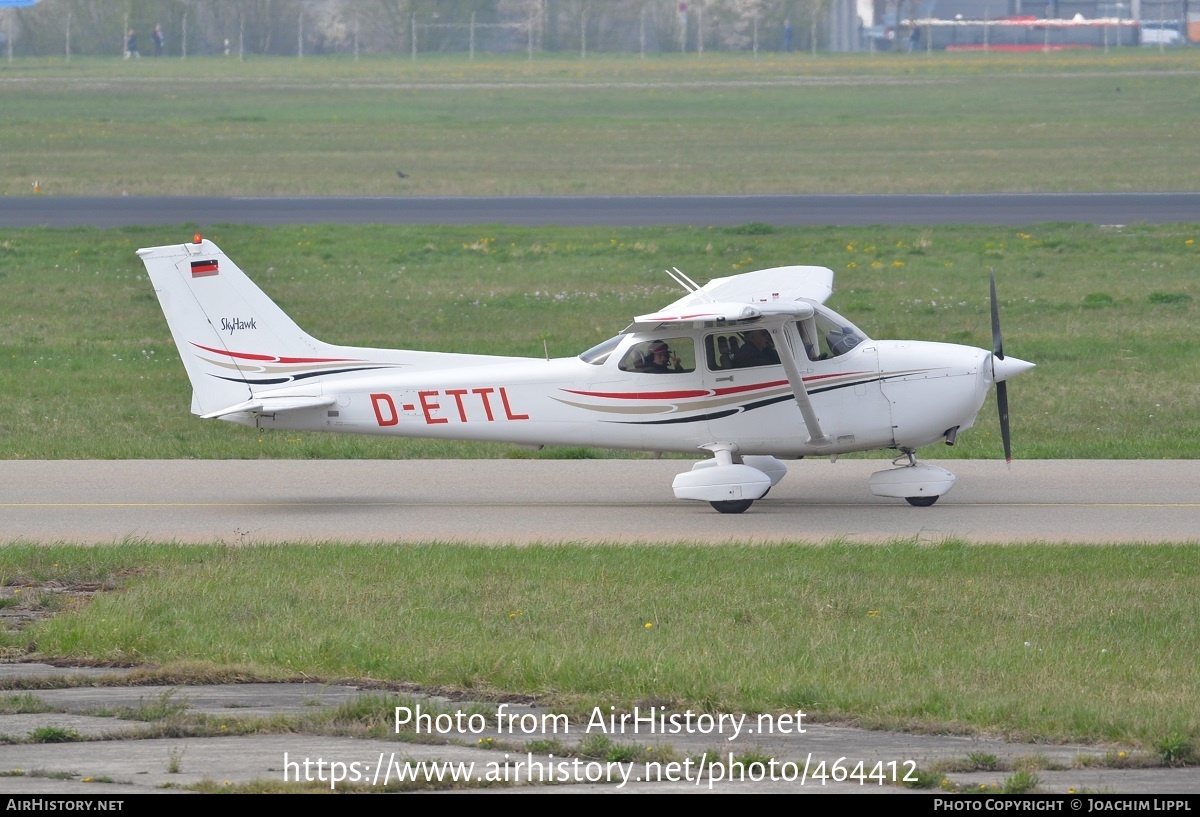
pixel 495 502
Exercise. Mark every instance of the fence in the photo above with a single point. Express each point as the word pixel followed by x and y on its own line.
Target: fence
pixel 301 28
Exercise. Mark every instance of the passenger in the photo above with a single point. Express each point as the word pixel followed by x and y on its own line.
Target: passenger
pixel 724 353
pixel 758 350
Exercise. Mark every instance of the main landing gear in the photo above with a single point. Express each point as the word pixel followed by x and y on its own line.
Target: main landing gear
pixel 732 505
pixel 729 482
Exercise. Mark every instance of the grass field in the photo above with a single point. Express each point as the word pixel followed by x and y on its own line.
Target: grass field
pixel 505 126
pixel 993 639
pixel 1050 642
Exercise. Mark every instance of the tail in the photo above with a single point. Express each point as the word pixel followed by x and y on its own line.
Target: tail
pixel 235 342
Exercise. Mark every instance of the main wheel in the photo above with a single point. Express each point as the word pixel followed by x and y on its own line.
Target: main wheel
pixel 732 505
pixel 921 501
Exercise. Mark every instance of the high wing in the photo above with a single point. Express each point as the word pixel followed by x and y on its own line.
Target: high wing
pixel 707 315
pixel 777 284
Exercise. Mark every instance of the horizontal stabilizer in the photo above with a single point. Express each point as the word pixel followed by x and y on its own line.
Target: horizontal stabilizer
pixel 272 405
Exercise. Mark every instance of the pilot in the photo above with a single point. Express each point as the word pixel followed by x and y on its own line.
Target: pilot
pixel 661 360
pixel 758 350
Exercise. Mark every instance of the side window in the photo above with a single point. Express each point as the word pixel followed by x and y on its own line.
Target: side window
pixel 740 350
pixel 661 356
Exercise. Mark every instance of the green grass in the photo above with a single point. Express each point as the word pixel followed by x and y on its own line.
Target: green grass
pixel 611 125
pixel 26 703
pixel 1038 642
pixel 88 368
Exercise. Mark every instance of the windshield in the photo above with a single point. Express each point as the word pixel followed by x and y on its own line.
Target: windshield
pixel 828 335
pixel 599 353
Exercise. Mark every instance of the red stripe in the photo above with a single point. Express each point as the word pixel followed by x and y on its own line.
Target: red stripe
pixel 752 387
pixel 682 317
pixel 273 358
pixel 835 374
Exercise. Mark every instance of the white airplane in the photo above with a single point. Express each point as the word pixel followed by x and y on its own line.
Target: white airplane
pixel 752 368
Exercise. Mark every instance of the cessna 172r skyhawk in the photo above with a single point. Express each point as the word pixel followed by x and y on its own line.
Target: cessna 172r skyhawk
pixel 752 368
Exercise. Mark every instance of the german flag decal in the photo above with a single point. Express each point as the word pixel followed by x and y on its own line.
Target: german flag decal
pixel 200 268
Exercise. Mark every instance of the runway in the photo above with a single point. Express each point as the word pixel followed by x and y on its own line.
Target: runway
pixel 1008 209
pixel 498 502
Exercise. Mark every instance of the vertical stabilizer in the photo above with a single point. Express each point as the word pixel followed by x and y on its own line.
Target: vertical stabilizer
pixel 233 339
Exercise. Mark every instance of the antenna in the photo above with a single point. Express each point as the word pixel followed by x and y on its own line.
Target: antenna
pixel 690 286
pixel 681 279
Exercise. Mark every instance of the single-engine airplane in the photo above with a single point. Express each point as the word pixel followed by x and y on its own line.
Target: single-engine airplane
pixel 752 368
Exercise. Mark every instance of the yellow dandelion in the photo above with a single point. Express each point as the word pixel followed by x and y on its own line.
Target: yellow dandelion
pixel 649 625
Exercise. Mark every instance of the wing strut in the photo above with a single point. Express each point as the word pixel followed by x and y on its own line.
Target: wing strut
pixel 787 357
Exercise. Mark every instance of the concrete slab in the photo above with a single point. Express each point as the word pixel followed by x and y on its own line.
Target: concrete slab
pixel 120 756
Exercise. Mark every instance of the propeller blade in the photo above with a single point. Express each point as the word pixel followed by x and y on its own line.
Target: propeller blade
pixel 1002 405
pixel 1001 385
pixel 997 341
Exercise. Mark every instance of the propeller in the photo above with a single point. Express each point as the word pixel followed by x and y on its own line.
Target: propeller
pixel 1001 385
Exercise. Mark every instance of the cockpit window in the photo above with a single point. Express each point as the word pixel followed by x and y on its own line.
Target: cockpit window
pixel 661 356
pixel 599 353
